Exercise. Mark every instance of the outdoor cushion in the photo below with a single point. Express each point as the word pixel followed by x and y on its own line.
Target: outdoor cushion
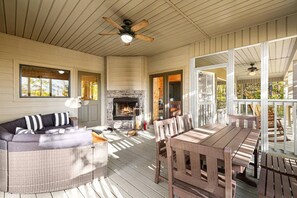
pixel 12 125
pixel 34 122
pixel 20 130
pixel 48 120
pixel 61 119
pixel 26 138
pixel 97 138
pixel 66 140
pixel 42 131
pixel 5 135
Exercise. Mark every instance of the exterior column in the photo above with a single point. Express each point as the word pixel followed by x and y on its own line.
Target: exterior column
pixel 264 95
pixel 230 82
pixel 193 92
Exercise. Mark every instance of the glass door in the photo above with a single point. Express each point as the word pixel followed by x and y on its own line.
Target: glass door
pixel 206 97
pixel 174 89
pixel 158 98
pixel 166 92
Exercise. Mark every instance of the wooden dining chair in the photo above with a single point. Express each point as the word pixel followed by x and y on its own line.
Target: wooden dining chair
pixel 193 180
pixel 163 129
pixel 184 123
pixel 244 121
pixel 251 122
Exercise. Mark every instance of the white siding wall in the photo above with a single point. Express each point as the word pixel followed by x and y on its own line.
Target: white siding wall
pixel 179 58
pixel 126 73
pixel 280 28
pixel 15 50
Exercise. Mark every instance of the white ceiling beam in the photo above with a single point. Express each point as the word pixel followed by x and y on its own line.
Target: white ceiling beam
pixel 187 18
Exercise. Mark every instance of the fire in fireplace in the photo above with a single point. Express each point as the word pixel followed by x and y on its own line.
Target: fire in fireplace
pixel 123 108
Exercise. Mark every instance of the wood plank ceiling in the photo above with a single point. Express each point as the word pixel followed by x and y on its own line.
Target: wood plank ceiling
pixel 75 24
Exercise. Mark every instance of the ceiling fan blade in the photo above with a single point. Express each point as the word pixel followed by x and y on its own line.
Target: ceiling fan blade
pixel 111 22
pixel 108 33
pixel 144 38
pixel 140 25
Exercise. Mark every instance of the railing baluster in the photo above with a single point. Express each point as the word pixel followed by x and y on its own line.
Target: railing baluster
pixel 294 128
pixel 285 127
pixel 275 124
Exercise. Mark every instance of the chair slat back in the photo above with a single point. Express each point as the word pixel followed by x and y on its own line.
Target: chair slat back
pixel 184 123
pixel 195 175
pixel 165 128
pixel 244 121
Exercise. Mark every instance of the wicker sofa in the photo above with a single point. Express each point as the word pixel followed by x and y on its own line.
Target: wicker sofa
pixel 35 163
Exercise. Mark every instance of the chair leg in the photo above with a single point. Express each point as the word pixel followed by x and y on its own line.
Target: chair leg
pixel 157 174
pixel 256 156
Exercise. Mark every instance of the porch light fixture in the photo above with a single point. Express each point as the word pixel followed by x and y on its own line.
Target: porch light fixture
pixel 61 72
pixel 126 38
pixel 252 73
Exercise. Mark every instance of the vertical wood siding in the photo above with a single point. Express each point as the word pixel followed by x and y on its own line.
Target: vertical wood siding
pixel 15 50
pixel 180 58
pixel 280 28
pixel 125 73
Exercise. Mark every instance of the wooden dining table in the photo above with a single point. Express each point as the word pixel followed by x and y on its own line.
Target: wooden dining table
pixel 242 141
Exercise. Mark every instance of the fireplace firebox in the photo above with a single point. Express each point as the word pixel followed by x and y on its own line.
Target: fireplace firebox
pixel 123 108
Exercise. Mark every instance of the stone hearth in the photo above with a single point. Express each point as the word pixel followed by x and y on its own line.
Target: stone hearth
pixel 111 94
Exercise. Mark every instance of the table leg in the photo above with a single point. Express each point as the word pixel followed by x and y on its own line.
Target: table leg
pixel 245 179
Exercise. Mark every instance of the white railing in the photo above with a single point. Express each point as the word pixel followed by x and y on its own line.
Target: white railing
pixel 282 123
pixel 207 114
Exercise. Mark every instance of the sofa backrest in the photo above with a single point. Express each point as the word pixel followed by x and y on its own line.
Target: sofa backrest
pixel 48 120
pixel 12 125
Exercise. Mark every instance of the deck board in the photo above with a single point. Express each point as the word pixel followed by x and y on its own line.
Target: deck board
pixel 28 196
pixel 131 171
pixel 44 195
pixel 59 194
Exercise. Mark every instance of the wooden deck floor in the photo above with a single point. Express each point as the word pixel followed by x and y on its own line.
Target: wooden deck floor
pixel 130 174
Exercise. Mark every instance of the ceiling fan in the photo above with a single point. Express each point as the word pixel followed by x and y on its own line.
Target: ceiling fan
pixel 128 31
pixel 252 70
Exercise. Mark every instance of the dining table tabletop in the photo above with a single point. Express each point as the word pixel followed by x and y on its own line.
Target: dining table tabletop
pixel 242 141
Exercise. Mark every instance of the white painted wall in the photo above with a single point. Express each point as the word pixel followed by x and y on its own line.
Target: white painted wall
pixel 125 73
pixel 271 30
pixel 180 58
pixel 15 50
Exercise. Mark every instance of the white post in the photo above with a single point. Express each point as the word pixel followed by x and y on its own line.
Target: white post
pixel 295 127
pixel 193 92
pixel 230 82
pixel 264 95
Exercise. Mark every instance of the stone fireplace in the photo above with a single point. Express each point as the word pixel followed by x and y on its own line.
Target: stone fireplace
pixel 120 105
pixel 123 108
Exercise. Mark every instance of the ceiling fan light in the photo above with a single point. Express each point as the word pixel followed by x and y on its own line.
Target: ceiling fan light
pixel 252 73
pixel 126 38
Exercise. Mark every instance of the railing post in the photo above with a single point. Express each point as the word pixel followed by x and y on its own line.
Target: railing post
pixel 285 105
pixel 264 95
pixel 230 82
pixel 275 124
pixel 295 128
pixel 193 92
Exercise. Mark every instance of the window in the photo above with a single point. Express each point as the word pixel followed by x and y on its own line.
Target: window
pixel 44 82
